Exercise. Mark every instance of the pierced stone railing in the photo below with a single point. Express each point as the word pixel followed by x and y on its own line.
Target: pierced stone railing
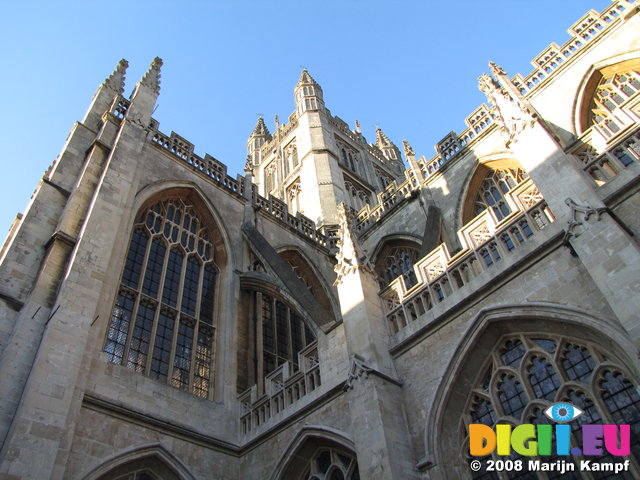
pixel 591 26
pixel 284 387
pixel 584 31
pixel 120 106
pixel 603 158
pixel 486 242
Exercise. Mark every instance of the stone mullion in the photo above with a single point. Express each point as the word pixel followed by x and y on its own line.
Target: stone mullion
pixel 138 294
pixel 156 315
pixel 196 329
pixel 259 344
pixel 176 323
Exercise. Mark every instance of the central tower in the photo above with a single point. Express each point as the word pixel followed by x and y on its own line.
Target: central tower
pixel 315 161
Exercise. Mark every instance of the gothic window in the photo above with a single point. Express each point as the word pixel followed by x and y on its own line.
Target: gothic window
pixel 293 197
pixel 332 464
pixel 269 178
pixel 493 188
pixel 526 374
pixel 398 262
pixel 615 87
pixel 280 334
pixel 162 323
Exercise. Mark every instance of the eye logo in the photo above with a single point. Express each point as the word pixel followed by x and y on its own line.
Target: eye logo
pixel 563 412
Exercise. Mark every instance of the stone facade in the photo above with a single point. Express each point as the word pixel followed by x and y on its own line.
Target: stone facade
pixel 334 312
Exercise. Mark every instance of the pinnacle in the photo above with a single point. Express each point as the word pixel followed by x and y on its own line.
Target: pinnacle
pixel 260 129
pixel 381 139
pixel 408 149
pixel 305 78
pixel 115 81
pixel 496 69
pixel 152 78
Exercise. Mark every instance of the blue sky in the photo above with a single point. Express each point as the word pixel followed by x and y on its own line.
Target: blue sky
pixel 409 66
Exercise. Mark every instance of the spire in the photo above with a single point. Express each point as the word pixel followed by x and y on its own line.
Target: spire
pixel 261 129
pixel 151 79
pixel 408 149
pixel 115 81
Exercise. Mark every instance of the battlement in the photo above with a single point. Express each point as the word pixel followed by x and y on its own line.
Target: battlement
pixel 183 150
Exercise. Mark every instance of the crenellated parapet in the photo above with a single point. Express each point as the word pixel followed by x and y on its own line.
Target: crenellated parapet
pixel 216 172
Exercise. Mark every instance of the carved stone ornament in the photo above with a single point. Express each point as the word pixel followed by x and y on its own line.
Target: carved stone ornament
pixel 357 370
pixel 512 115
pixel 350 255
pixel 408 149
pixel 579 215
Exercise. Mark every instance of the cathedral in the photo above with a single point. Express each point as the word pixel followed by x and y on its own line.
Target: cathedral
pixel 343 309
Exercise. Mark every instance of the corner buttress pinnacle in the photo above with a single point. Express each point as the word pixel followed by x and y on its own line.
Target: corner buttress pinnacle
pixel 115 81
pixel 151 79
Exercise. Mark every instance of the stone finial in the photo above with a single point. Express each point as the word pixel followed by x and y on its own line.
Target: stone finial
pixel 248 165
pixel 408 149
pixel 512 114
pixel 151 79
pixel 496 69
pixel 261 129
pixel 350 255
pixel 358 129
pixel 115 81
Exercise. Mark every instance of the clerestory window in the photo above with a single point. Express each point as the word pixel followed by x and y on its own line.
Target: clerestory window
pixel 495 185
pixel 162 323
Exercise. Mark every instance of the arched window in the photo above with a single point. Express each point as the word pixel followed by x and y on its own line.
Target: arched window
pixel 331 464
pixel 396 259
pixel 527 373
pixel 493 188
pixel 162 323
pixel 279 334
pixel 615 85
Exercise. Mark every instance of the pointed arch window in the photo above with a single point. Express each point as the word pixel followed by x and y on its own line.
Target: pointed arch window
pixel 617 84
pixel 162 323
pixel 527 373
pixel 493 189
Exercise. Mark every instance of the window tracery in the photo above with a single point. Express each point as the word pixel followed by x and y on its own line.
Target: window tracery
pixel 613 90
pixel 332 464
pixel 280 334
pixel 399 262
pixel 527 373
pixel 162 322
pixel 493 188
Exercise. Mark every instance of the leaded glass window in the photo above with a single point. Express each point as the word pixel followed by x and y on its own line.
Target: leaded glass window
pixel 162 323
pixel 493 189
pixel 400 263
pixel 526 374
pixel 331 464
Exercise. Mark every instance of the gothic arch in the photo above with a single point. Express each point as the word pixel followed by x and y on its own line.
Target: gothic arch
pixel 394 256
pixel 475 179
pixel 153 192
pixel 303 446
pixel 310 275
pixel 152 458
pixel 489 326
pixel 587 88
pixel 174 237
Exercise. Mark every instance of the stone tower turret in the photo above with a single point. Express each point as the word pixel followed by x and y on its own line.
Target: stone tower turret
pixel 308 94
pixel 258 137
